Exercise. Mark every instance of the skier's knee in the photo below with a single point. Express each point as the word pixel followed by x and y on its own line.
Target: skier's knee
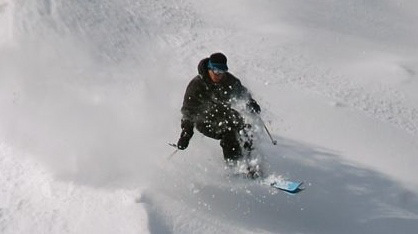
pixel 231 146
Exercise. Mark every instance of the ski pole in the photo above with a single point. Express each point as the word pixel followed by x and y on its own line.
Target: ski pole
pixel 172 144
pixel 174 152
pixel 268 133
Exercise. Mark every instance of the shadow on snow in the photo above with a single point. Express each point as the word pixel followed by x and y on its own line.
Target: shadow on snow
pixel 339 197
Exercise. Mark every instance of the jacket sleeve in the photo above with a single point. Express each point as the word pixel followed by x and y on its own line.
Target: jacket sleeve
pixel 243 94
pixel 192 103
pixel 191 100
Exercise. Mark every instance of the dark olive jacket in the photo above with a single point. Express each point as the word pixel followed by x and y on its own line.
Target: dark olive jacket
pixel 201 94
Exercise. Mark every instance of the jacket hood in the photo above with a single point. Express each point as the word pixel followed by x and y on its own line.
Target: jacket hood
pixel 202 68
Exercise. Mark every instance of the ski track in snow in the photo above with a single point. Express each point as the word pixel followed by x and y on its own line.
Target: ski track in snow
pixel 191 193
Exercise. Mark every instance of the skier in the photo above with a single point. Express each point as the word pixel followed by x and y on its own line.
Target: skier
pixel 208 106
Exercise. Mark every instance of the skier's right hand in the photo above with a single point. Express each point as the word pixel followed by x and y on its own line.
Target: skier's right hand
pixel 184 140
pixel 186 134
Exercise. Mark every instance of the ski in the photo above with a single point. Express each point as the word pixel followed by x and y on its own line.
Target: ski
pixel 287 186
pixel 290 187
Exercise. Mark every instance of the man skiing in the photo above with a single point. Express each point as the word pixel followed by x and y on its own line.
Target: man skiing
pixel 208 106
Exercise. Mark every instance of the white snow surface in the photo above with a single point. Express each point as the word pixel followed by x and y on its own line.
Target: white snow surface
pixel 90 94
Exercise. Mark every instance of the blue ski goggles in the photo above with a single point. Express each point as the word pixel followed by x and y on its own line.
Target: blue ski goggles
pixel 218 72
pixel 217 68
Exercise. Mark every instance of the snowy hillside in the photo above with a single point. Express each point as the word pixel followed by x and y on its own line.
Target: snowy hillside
pixel 90 94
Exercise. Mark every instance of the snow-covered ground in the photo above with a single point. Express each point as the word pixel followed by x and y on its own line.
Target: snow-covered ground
pixel 90 93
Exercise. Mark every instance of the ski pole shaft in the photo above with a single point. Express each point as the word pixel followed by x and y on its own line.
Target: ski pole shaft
pixel 268 133
pixel 173 145
pixel 174 152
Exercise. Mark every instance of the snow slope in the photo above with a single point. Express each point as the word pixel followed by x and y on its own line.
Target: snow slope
pixel 90 93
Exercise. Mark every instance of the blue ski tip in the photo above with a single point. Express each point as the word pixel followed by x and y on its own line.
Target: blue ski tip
pixel 287 186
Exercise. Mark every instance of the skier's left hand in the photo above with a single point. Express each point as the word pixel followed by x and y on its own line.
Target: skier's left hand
pixel 253 106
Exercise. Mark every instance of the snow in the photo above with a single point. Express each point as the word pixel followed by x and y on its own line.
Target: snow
pixel 90 94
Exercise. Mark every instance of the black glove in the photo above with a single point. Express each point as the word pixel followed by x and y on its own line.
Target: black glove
pixel 184 140
pixel 186 134
pixel 253 106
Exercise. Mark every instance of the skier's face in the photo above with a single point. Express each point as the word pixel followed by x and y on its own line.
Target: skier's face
pixel 216 76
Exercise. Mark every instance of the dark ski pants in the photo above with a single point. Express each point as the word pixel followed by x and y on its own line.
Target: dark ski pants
pixel 227 125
